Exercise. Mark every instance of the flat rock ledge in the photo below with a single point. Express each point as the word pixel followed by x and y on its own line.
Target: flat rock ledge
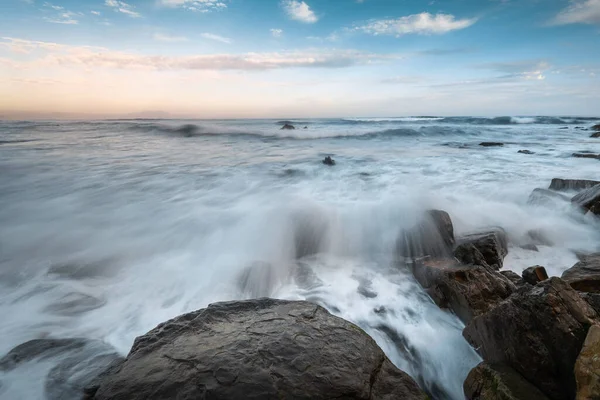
pixel 256 349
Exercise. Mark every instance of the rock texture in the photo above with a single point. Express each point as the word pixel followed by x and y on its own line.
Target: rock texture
pixel 539 332
pixel 585 275
pixel 545 197
pixel 572 184
pixel 499 382
pixel 468 290
pixel 589 199
pixel 487 249
pixel 257 349
pixel 587 366
pixel 535 274
pixel 433 236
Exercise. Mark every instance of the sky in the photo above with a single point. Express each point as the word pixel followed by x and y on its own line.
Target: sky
pixel 294 58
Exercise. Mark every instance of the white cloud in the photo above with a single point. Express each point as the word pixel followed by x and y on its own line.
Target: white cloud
pixel 54 54
pixel 528 69
pixel 59 15
pixel 122 7
pixel 276 32
pixel 422 24
pixel 299 11
pixel 167 38
pixel 202 6
pixel 216 38
pixel 579 12
pixel 96 12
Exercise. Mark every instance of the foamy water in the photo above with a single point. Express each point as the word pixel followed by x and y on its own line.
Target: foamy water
pixel 108 228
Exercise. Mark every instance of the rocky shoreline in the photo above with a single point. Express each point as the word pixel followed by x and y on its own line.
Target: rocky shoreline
pixel 538 336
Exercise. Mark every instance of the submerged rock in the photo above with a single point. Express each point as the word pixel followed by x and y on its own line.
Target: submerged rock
pixel 538 331
pixel 589 199
pixel 257 349
pixel 487 249
pixel 572 184
pixel 587 366
pixel 596 127
pixel 545 197
pixel 499 382
pixel 585 275
pixel 433 236
pixel 288 126
pixel 586 155
pixel 468 290
pixel 535 274
pixel 329 161
pixel 525 152
pixel 595 135
pixel 491 144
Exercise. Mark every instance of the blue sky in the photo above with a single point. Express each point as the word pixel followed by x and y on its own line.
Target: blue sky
pixel 312 58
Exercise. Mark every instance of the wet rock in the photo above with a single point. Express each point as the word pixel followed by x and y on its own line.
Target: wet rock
pixel 487 249
pixel 468 290
pixel 499 382
pixel 595 135
pixel 596 128
pixel 538 331
pixel 288 126
pixel 329 161
pixel 586 155
pixel 310 230
pixel 593 299
pixel 535 274
pixel 491 144
pixel 257 349
pixel 545 197
pixel 539 237
pixel 365 288
pixel 589 199
pixel 587 366
pixel 572 184
pixel 564 127
pixel 433 236
pixel 525 152
pixel 514 278
pixel 77 363
pixel 585 275
pixel 305 127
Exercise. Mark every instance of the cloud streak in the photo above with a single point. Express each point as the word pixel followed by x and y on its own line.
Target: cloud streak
pixel 168 38
pixel 216 38
pixel 579 12
pixel 299 11
pixel 122 7
pixel 202 6
pixel 420 24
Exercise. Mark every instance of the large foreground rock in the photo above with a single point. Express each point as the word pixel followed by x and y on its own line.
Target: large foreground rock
pixel 468 290
pixel 538 332
pixel 587 367
pixel 499 382
pixel 257 349
pixel 589 199
pixel 487 249
pixel 572 184
pixel 585 275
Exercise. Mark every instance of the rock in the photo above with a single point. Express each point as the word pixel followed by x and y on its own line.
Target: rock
pixel 545 197
pixel 491 144
pixel 535 274
pixel 586 155
pixel 257 349
pixel 596 128
pixel 329 161
pixel 487 249
pixel 585 275
pixel 288 126
pixel 525 152
pixel 589 199
pixel 539 332
pixel 499 382
pixel 593 299
pixel 305 127
pixel 77 363
pixel 539 237
pixel 514 278
pixel 595 135
pixel 564 127
pixel 587 366
pixel 433 236
pixel 530 247
pixel 468 290
pixel 572 184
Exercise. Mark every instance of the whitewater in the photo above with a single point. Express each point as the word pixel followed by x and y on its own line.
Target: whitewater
pixel 108 228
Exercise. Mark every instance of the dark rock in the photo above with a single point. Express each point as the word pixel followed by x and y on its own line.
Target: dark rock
pixel 288 126
pixel 487 249
pixel 433 236
pixel 539 332
pixel 78 363
pixel 595 135
pixel 587 366
pixel 329 161
pixel 306 127
pixel 564 127
pixel 491 144
pixel 586 155
pixel 257 349
pixel 499 382
pixel 589 199
pixel 514 278
pixel 530 247
pixel 572 184
pixel 596 128
pixel 545 197
pixel 525 152
pixel 585 275
pixel 468 290
pixel 593 299
pixel 535 274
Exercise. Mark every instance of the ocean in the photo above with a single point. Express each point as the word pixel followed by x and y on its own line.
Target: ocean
pixel 108 228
